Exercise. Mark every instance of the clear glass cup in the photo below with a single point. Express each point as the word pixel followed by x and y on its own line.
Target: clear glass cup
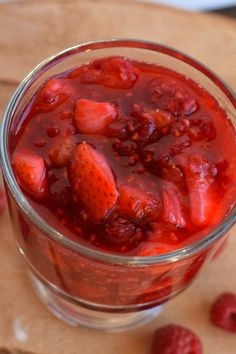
pixel 81 285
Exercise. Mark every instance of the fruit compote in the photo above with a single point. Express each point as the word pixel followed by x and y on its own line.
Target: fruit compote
pixel 128 158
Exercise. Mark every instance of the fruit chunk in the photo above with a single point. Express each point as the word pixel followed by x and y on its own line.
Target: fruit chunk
pixel 172 205
pixel 53 93
pixel 202 129
pixel 119 230
pixel 148 249
pixel 172 173
pixel 114 72
pixel 200 177
pixel 162 238
pixel 93 117
pixel 161 119
pixel 93 182
pixel 143 127
pixel 223 312
pixel 138 205
pixel 174 339
pixel 30 172
pixel 169 95
pixel 158 154
pixel 60 154
pixel 125 148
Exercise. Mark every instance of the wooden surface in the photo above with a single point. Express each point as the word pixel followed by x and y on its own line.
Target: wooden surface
pixel 33 30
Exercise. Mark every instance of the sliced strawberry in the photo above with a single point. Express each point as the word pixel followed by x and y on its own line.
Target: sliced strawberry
pixel 138 205
pixel 154 249
pixel 93 117
pixel 173 211
pixel 60 154
pixel 53 93
pixel 114 72
pixel 163 238
pixel 93 182
pixel 30 172
pixel 200 177
pixel 172 173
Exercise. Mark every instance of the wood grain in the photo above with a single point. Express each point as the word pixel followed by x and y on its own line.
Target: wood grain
pixel 33 30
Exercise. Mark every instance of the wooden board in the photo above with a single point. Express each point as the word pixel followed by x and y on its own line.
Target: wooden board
pixel 33 30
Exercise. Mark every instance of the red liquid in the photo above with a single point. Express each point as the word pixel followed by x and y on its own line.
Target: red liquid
pixel 167 146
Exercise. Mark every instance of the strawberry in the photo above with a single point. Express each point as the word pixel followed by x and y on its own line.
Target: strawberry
pixel 30 172
pixel 93 182
pixel 154 248
pixel 114 72
pixel 52 94
pixel 93 117
pixel 173 212
pixel 138 205
pixel 60 154
pixel 203 190
pixel 162 238
pixel 172 173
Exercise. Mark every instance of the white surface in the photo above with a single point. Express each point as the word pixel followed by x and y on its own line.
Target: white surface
pixel 19 331
pixel 197 4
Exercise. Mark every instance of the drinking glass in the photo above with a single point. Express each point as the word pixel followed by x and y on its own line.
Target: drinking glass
pixel 85 286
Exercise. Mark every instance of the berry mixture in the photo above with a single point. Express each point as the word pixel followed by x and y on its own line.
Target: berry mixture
pixel 126 157
pixel 174 339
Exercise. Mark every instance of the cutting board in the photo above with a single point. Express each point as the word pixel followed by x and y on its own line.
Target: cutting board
pixel 29 32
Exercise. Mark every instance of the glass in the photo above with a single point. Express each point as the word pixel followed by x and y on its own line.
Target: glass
pixel 86 286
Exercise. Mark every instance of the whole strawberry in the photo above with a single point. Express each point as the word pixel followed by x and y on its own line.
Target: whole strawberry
pixel 173 339
pixel 223 312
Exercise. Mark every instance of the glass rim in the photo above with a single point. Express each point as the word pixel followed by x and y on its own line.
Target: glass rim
pixel 46 228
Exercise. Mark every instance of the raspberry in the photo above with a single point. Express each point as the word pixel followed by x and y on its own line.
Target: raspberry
pixel 119 230
pixel 223 312
pixel 173 339
pixel 126 148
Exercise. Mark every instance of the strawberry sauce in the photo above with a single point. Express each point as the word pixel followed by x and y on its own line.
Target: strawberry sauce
pixel 126 157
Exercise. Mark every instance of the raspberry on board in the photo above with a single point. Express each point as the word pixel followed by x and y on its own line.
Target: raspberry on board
pixel 174 339
pixel 223 312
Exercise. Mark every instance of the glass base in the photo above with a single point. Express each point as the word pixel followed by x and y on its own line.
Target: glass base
pixel 75 315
